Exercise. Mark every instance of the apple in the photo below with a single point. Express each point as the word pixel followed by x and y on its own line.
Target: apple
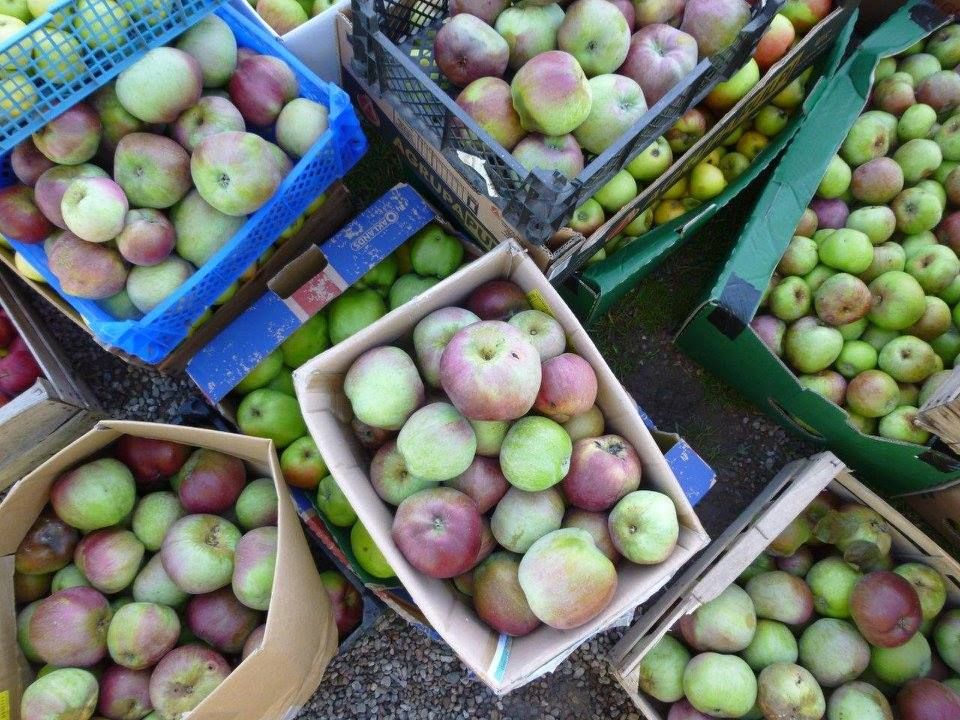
pixel 346 601
pixel 929 584
pixel 69 628
pixel 95 495
pixel 644 527
pixel 811 346
pixel 856 357
pixel 618 104
pixel 497 300
pixel 885 608
pixel 141 633
pixel 71 138
pixel 152 170
pixel 47 547
pixel 67 577
pixel 21 217
pixel 490 435
pixel 521 518
pixel 94 209
pixel 221 620
pixel 254 565
pixel 788 690
pixel 184 678
pixel 860 700
pixel 559 153
pixel 153 585
pixel 211 115
pixel 212 44
pixel 899 665
pixel 488 101
pixel 602 471
pixel 466 49
pixel 27 588
pixel 720 685
pixel 687 131
pixel 300 125
pixel 535 453
pixel 842 299
pixel 201 230
pixel 149 286
pixel 596 33
pixel 894 94
pixel 147 237
pixel 237 172
pixel 867 139
pixel 772 642
pixel 714 24
pixel 661 669
pixel 28 163
pixel 438 531
pixel 946 636
pixel 831 214
pixel 482 482
pixel 124 693
pixel 437 422
pixel 907 359
pixel 198 553
pixel 652 162
pixel 727 623
pixel 568 102
pixel 109 558
pixel 877 181
pixel 160 85
pixel 834 652
pixel 926 699
pixel 529 29
pixel 728 93
pixel 61 693
pixel 780 596
pixel 898 301
pixel 775 41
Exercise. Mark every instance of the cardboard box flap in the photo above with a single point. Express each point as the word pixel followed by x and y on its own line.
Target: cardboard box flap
pixel 501 663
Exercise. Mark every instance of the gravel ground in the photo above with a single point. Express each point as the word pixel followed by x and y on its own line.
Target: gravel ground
pixel 397 672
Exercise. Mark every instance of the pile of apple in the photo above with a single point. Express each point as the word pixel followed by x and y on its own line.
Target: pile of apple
pixel 286 15
pixel 136 594
pixel 268 407
pixel 824 624
pixel 863 304
pixel 175 131
pixel 18 368
pixel 581 77
pixel 491 449
pixel 711 176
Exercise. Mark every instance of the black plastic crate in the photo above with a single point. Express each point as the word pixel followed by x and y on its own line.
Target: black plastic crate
pixel 393 52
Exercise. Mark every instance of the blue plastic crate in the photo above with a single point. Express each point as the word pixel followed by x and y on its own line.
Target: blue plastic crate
pixel 159 332
pixel 76 47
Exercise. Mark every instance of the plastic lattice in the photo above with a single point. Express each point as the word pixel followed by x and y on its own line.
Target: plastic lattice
pixel 154 336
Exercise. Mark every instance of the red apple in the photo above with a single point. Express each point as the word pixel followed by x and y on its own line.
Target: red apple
pixel 124 693
pixel 20 218
pixel 568 387
pixel 347 602
pixel 7 331
pixel 221 620
pixel 774 42
pixel 438 531
pixel 210 482
pixel 28 163
pixel 69 628
pixel 497 300
pixel 886 609
pixel 602 470
pixel 483 482
pixel 151 461
pixel 926 699
pixel 18 372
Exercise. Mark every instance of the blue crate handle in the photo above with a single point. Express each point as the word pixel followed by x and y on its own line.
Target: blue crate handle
pixel 157 334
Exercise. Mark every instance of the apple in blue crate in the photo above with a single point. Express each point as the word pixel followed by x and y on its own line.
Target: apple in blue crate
pixel 28 163
pixel 94 209
pixel 160 85
pixel 212 43
pixel 300 125
pixel 211 115
pixel 271 414
pixel 21 218
pixel 201 229
pixel 101 24
pixel 154 171
pixel 150 286
pixel 147 237
pixel 87 270
pixel 71 138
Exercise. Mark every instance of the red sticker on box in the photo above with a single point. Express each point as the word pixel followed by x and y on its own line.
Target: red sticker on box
pixel 316 293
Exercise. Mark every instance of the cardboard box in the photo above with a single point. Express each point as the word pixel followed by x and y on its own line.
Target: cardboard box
pixel 729 555
pixel 56 410
pixel 718 336
pixel 501 663
pixel 307 284
pixel 301 637
pixel 593 290
pixel 322 224
pixel 314 42
pixel 473 208
pixel 940 414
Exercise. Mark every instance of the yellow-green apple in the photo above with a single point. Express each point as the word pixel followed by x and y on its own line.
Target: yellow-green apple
pixel 898 665
pixel 201 229
pixel 221 620
pixel 150 286
pixel 94 495
pixel 799 258
pixel 602 471
pixel 551 94
pixel 596 33
pixel 487 100
pixel 811 346
pixel 90 27
pixel 595 523
pixel 154 171
pixel 542 331
pixel 826 383
pixel 401 292
pixel 846 250
pixel 69 628
pixel 856 357
pixel 916 122
pixel 334 504
pixel 20 96
pixel 946 636
pixel 771 120
pixel 774 42
pixel 929 584
pixel 587 218
pixel 116 121
pixel 94 209
pixel 770 330
pixel 649 12
pixel 568 387
pixel 153 516
pixel 212 114
pixel 934 267
pixel 47 547
pixel 490 435
pixel 652 162
pixel 437 422
pixel 560 154
pixel 71 138
pixel 535 454
pixel 367 553
pixel 53 183
pixel 529 29
pixel 780 596
pixel 466 48
pixel 141 633
pixel 721 684
pixel 868 139
pixel 947 136
pixel 21 217
pixel 877 222
pixel 16 9
pixel 254 564
pixel 64 692
pixel 836 179
pixel 160 85
pixel 894 94
pixel 772 642
pixel 714 24
pixel 184 678
pixel 86 270
pixel 490 371
pixel 706 181
pixel 521 518
pixel 804 14
pixel 617 192
pixel 686 131
pixel 236 172
pixel 567 581
pixel 787 689
pixel 212 44
pixel 307 341
pixel 644 527
pixel 834 651
pixel 58 56
pixel 433 333
pixel 497 300
pixel 209 482
pixel 918 159
pixel 659 57
pixel 147 238
pixel 302 465
pixel 907 359
pixel 858 699
pixel 282 15
pixel 271 414
pixel 390 478
pixel 498 598
pixel 384 387
pixel 898 301
pixel 28 163
pixel 109 558
pixel 435 253
pixel 198 553
pixel 438 531
pixel 885 608
pixel 790 299
pixel 300 124
pixel 618 104
pixel 265 371
pixel 661 670
pixel 729 92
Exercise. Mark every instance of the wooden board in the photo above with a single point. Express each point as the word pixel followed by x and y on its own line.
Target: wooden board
pixel 729 555
pixel 940 414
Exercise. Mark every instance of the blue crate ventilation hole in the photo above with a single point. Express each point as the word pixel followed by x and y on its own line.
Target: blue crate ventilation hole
pixel 76 47
pixel 157 334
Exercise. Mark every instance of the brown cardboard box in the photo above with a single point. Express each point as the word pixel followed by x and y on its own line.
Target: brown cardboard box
pixel 784 498
pixel 56 410
pixel 501 663
pixel 322 224
pixel 301 637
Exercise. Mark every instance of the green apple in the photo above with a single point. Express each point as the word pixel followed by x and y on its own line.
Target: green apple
pixel 836 180
pixel 811 346
pixel 334 504
pixel 907 359
pixel 886 257
pixel 916 122
pixel 733 165
pixel 913 244
pixel 353 311
pixel 262 374
pixel 791 299
pixel 878 337
pixel 270 414
pixel 433 253
pixel 367 553
pixel 19 9
pixel 283 382
pixel 771 120
pixel 407 287
pixel 816 277
pixel 898 301
pixel 306 342
pixel 934 188
pixel 934 268
pixel 620 190
pixel 381 276
pixel 847 250
pixel 877 222
pixel 640 224
pixel 853 331
pixel 947 346
pixel 706 181
pixel 652 162
pixel 302 464
pixel 799 258
pixel 855 357
pixel 918 159
pixel 917 211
